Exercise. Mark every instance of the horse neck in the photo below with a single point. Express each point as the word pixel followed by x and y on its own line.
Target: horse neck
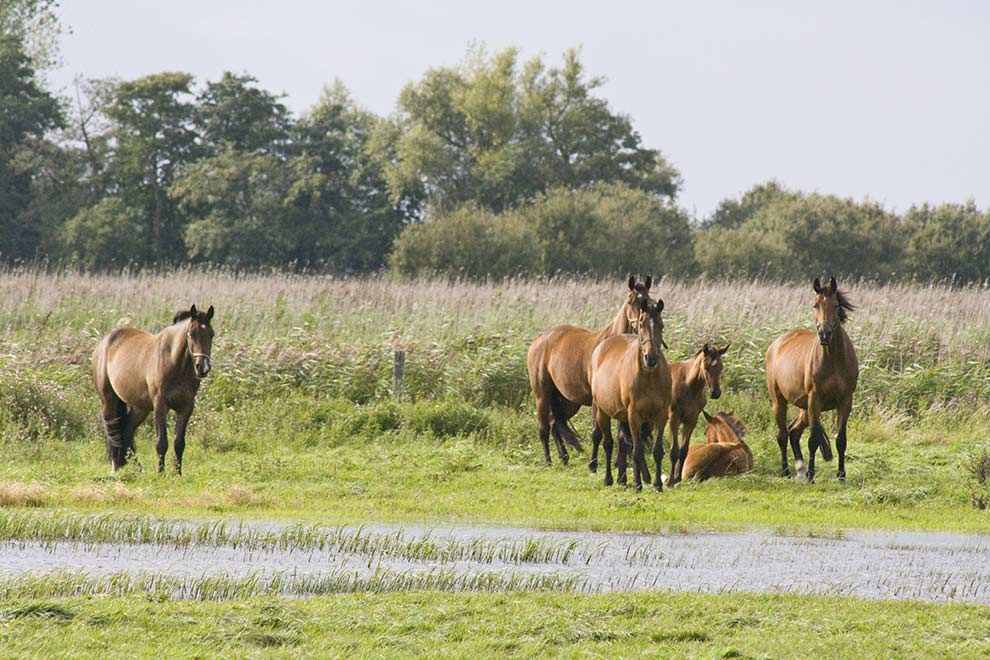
pixel 694 378
pixel 618 326
pixel 836 351
pixel 174 339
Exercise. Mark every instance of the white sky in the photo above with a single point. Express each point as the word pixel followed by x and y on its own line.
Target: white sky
pixel 883 99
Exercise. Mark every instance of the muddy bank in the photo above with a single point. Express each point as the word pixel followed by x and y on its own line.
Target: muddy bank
pixel 898 565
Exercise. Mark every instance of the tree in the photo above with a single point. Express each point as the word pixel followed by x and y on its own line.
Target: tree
pixel 155 140
pixel 26 112
pixel 108 235
pixel 233 113
pixel 950 241
pixel 357 219
pixel 732 213
pixel 487 134
pixel 35 24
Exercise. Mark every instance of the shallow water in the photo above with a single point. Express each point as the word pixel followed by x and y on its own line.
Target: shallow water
pixel 898 565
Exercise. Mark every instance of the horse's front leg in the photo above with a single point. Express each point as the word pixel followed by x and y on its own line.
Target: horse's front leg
pixel 636 430
pixel 675 449
pixel 818 439
pixel 161 430
pixel 603 430
pixel 181 422
pixel 644 467
pixel 841 419
pixel 660 422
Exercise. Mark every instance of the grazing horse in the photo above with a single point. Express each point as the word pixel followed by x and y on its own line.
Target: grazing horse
pixel 631 383
pixel 814 371
pixel 136 372
pixel 559 363
pixel 690 379
pixel 724 452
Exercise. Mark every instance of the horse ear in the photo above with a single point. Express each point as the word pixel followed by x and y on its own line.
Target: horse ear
pixel 707 416
pixel 209 314
pixel 644 303
pixel 632 282
pixel 706 349
pixel 833 285
pixel 721 351
pixel 648 282
pixel 192 311
pixel 817 285
pixel 659 304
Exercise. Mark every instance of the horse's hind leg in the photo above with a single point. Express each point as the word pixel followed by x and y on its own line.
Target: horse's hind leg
pixel 161 431
pixel 114 420
pixel 623 453
pixel 780 417
pixel 841 419
pixel 661 424
pixel 543 422
pixel 646 434
pixel 181 422
pixel 603 427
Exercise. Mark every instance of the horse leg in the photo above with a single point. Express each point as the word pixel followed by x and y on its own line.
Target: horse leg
pixel 114 419
pixel 624 450
pixel 636 427
pixel 842 418
pixel 543 422
pixel 181 422
pixel 644 467
pixel 814 416
pixel 675 449
pixel 161 430
pixel 687 431
pixel 661 423
pixel 603 429
pixel 134 419
pixel 780 416
pixel 794 432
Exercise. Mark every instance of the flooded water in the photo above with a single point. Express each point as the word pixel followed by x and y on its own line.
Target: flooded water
pixel 896 565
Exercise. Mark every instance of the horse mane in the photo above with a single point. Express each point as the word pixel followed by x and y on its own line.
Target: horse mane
pixel 734 423
pixel 844 305
pixel 201 317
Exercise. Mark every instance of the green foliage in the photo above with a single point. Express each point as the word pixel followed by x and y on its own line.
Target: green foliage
pixel 35 23
pixel 605 229
pixel 233 114
pixel 106 236
pixel 789 236
pixel 951 241
pixel 489 134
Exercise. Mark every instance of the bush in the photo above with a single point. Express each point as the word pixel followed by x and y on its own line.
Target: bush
pixel 606 229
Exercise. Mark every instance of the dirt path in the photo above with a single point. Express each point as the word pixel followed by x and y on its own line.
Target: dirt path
pixel 898 565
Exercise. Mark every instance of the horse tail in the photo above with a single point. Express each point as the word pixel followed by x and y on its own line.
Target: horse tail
pixel 826 446
pixel 115 435
pixel 561 425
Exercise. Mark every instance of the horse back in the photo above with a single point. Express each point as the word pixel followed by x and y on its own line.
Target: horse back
pixel 564 353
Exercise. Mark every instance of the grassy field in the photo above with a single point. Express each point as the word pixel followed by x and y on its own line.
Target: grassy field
pixel 430 624
pixel 298 418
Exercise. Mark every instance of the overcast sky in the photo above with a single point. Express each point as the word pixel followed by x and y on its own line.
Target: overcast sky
pixel 886 100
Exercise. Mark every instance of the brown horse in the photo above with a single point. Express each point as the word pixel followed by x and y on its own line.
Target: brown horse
pixel 631 383
pixel 559 363
pixel 814 372
pixel 136 372
pixel 724 452
pixel 690 379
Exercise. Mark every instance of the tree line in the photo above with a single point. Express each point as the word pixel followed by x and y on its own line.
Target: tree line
pixel 495 167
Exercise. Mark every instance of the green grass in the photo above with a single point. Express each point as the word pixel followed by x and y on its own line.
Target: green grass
pixel 435 624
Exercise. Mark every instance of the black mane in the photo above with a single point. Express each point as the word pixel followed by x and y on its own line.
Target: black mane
pixel 844 305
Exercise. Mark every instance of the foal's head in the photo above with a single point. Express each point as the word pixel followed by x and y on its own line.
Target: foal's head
pixel 637 291
pixel 649 328
pixel 831 309
pixel 711 367
pixel 199 337
pixel 724 427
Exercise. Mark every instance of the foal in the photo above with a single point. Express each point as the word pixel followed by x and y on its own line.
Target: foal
pixel 690 379
pixel 630 382
pixel 724 453
pixel 136 372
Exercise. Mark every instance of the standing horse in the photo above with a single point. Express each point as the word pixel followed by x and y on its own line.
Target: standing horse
pixel 690 378
pixel 724 452
pixel 814 372
pixel 559 364
pixel 136 372
pixel 631 383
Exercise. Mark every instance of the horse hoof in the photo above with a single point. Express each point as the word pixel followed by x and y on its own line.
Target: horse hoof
pixel 639 488
pixel 658 488
pixel 593 467
pixel 785 473
pixel 608 481
pixel 842 477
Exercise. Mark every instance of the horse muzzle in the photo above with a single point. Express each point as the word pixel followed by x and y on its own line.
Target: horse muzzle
pixel 716 394
pixel 824 338
pixel 651 361
pixel 202 366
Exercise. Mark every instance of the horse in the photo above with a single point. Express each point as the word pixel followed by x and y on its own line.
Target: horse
pixel 724 452
pixel 559 364
pixel 815 372
pixel 690 379
pixel 136 372
pixel 631 382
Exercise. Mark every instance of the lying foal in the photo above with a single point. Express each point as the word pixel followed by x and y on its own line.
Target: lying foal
pixel 724 453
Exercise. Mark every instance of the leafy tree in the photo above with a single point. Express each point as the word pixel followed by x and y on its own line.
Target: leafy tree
pixel 248 208
pixel 796 236
pixel 35 24
pixel 732 213
pixel 605 229
pixel 233 113
pixel 107 235
pixel 155 140
pixel 485 133
pixel 356 219
pixel 26 112
pixel 950 241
